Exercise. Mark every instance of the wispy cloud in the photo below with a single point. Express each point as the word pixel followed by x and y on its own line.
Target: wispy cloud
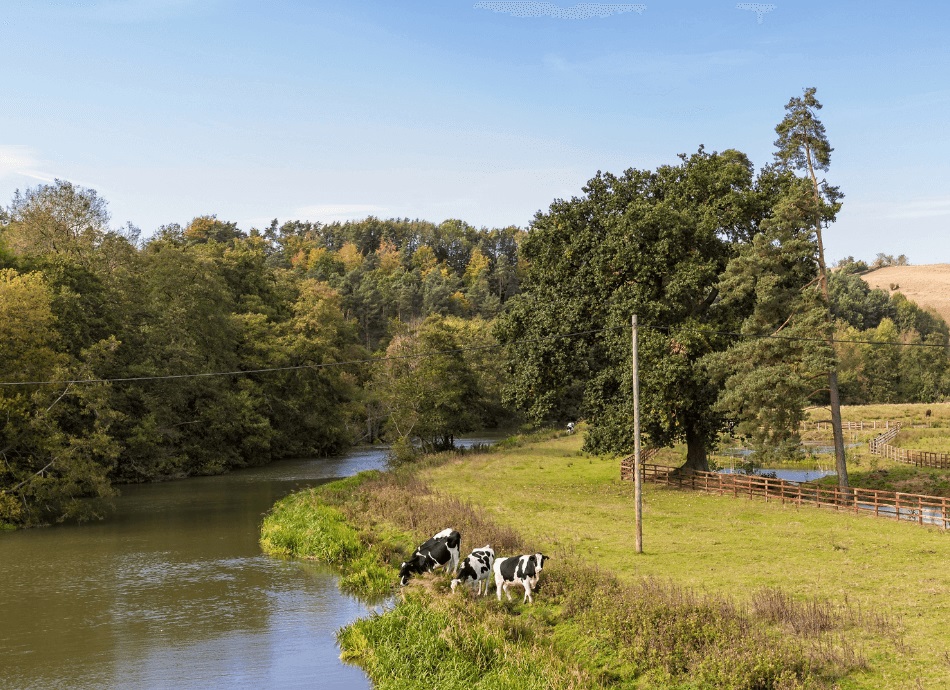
pixel 584 10
pixel 909 209
pixel 921 208
pixel 131 11
pixel 759 8
pixel 329 213
pixel 21 161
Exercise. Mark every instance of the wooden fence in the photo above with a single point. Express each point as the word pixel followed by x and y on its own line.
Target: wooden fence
pixel 848 426
pixel 923 510
pixel 921 458
pixel 626 464
pixel 879 441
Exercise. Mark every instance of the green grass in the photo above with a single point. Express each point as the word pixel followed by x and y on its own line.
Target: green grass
pixel 730 592
pixel 936 440
pixel 920 432
pixel 451 642
pixel 559 500
pixel 586 629
pixel 908 413
pixel 311 525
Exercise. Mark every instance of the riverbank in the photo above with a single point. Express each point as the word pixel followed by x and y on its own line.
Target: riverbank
pixel 174 592
pixel 730 593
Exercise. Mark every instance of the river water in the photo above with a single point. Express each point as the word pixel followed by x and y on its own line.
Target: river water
pixel 172 591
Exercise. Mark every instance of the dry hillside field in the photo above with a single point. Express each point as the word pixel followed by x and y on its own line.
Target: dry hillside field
pixel 928 286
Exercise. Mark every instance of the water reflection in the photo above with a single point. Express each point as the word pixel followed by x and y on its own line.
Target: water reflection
pixel 172 591
pixel 786 474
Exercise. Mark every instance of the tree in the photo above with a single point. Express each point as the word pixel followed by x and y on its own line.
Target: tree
pixel 768 376
pixel 210 229
pixel 803 145
pixel 60 218
pixel 428 389
pixel 648 242
pixel 55 447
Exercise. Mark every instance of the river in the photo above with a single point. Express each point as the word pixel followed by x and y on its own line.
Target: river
pixel 172 591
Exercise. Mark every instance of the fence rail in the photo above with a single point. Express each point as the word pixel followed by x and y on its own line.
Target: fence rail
pixel 923 510
pixel 626 464
pixel 849 426
pixel 921 458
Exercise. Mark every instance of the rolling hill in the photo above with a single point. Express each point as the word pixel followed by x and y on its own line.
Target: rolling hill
pixel 927 285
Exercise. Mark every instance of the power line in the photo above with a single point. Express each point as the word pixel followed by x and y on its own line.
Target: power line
pixel 526 341
pixel 775 336
pixel 325 365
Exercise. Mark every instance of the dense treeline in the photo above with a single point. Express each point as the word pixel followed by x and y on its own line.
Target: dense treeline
pixel 80 301
pixel 872 372
pixel 725 269
pixel 709 253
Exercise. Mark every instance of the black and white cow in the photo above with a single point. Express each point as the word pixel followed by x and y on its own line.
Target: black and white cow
pixel 519 570
pixel 476 569
pixel 441 551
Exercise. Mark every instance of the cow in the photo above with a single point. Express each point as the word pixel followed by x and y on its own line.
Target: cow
pixel 519 570
pixel 441 551
pixel 476 569
pixel 570 427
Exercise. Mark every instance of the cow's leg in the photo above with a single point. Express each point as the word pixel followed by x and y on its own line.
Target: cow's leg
pixel 527 592
pixel 498 586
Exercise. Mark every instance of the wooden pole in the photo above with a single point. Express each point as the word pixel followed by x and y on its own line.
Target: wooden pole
pixel 637 483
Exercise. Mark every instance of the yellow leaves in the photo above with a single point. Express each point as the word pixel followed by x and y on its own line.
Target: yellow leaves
pixel 26 326
pixel 350 256
pixel 478 266
pixel 390 260
pixel 460 302
pixel 314 257
pixel 424 259
pixel 318 314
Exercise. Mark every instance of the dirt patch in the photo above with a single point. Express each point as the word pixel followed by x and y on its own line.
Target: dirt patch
pixel 928 286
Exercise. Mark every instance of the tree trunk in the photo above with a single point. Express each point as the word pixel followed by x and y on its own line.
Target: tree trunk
pixel 840 463
pixel 835 400
pixel 695 453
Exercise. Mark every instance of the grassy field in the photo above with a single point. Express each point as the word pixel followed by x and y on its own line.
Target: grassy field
pixel 560 500
pixel 921 431
pixel 910 414
pixel 928 286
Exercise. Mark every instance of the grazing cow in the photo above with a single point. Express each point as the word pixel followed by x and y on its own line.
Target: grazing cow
pixel 519 570
pixel 441 551
pixel 570 427
pixel 476 569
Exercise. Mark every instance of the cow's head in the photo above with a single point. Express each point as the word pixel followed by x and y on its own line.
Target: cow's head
pixel 414 565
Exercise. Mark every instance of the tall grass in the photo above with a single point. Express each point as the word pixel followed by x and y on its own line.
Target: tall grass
pixel 587 629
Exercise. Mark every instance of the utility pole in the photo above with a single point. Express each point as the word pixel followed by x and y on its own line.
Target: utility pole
pixel 637 483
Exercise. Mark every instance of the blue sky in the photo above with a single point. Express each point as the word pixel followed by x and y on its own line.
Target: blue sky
pixel 447 108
